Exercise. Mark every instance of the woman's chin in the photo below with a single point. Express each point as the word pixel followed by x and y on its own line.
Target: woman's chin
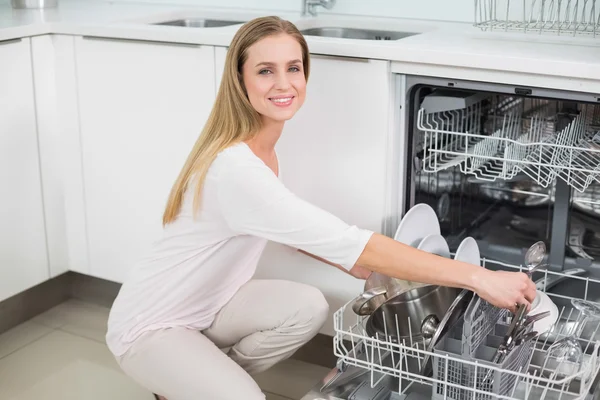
pixel 281 116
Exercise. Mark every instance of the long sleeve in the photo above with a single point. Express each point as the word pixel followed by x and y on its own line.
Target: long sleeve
pixel 254 202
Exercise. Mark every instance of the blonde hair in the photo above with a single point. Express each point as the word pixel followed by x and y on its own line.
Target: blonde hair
pixel 232 119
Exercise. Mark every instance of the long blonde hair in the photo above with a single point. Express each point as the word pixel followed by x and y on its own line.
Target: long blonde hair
pixel 232 119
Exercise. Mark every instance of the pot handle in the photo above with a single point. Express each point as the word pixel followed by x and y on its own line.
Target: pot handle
pixel 363 298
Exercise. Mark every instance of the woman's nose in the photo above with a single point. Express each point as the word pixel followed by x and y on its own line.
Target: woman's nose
pixel 282 81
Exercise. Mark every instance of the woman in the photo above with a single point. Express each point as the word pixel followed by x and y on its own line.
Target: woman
pixel 190 323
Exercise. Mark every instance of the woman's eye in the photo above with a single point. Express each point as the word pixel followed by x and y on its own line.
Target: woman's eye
pixel 264 71
pixel 294 69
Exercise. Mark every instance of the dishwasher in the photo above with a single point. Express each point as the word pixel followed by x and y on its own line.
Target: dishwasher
pixel 508 166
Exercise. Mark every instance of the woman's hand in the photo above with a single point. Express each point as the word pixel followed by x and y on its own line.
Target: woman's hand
pixel 504 289
pixel 360 272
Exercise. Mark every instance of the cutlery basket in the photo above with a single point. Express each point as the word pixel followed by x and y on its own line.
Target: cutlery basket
pixel 463 356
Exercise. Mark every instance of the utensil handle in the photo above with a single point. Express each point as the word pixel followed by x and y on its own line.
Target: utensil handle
pixel 358 306
pixel 537 267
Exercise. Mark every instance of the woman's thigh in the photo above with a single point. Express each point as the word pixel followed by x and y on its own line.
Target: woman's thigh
pixel 182 364
pixel 263 305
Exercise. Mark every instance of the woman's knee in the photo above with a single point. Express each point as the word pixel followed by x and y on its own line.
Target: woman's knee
pixel 314 307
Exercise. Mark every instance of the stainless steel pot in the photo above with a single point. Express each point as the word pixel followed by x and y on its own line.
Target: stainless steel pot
pixel 402 316
pixel 378 290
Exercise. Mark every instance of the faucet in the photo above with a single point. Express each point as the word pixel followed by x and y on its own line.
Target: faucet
pixel 310 6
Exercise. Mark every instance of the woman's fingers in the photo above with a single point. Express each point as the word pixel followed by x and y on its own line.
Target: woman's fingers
pixel 507 289
pixel 527 303
pixel 531 291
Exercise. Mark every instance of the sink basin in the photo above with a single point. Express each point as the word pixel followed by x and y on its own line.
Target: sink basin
pixel 354 33
pixel 199 23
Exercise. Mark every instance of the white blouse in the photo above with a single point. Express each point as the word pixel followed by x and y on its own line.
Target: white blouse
pixel 198 264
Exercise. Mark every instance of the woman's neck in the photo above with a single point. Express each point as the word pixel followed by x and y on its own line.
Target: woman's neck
pixel 265 140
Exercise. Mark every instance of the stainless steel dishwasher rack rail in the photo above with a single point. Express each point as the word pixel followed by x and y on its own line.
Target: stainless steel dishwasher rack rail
pixel 540 377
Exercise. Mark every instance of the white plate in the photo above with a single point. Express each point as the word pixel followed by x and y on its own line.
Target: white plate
pixel 420 221
pixel 468 251
pixel 435 244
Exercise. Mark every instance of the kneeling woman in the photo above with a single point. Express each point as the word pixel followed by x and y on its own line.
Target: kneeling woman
pixel 193 295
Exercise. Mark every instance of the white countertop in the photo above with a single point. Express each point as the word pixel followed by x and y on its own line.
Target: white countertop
pixel 574 60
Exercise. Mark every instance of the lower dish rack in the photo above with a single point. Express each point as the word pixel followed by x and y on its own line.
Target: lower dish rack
pixel 461 359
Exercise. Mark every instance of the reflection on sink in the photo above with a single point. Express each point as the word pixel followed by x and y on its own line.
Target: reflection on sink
pixel 199 23
pixel 354 33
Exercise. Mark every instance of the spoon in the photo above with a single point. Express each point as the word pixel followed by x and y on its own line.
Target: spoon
pixel 534 257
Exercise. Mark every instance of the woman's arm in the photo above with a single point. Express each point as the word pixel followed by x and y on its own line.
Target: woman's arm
pixel 254 202
pixel 357 271
pixel 392 258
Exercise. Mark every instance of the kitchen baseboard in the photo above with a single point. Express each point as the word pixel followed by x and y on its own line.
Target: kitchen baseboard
pixel 23 306
pixel 39 299
pixel 93 290
pixel 318 351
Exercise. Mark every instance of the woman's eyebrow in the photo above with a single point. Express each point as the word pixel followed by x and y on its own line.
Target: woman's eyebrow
pixel 270 64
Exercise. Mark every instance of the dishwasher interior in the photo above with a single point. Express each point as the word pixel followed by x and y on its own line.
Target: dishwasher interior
pixel 509 170
pixel 507 166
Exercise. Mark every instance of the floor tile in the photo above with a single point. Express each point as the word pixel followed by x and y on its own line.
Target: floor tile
pixel 63 366
pixel 20 336
pixel 77 317
pixel 291 378
pixel 273 396
pixel 61 355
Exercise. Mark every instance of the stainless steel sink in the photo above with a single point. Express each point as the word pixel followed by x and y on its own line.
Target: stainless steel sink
pixel 199 23
pixel 354 33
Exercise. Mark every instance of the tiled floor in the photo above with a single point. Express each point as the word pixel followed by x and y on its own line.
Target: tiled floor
pixel 61 355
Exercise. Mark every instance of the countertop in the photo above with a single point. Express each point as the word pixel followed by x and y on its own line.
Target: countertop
pixel 576 61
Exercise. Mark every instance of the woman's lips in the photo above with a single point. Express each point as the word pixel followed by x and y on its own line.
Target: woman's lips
pixel 282 101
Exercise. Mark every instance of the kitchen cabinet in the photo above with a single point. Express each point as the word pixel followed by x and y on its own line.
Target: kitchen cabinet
pixel 333 153
pixel 220 56
pixel 23 251
pixel 142 106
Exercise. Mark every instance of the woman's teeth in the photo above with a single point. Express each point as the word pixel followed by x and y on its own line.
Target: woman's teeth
pixel 282 100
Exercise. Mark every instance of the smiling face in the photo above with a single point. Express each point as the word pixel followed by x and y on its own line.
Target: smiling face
pixel 274 77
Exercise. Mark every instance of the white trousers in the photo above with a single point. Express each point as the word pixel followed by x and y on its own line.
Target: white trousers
pixel 264 323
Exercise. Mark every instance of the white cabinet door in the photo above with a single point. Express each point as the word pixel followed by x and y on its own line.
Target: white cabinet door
pixel 220 55
pixel 333 153
pixel 142 106
pixel 23 253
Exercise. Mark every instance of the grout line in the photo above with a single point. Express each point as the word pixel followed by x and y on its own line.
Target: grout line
pixel 277 394
pixel 80 335
pixel 46 324
pixel 29 343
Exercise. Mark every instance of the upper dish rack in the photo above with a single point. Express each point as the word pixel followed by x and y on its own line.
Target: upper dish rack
pixel 536 140
pixel 560 17
pixel 381 356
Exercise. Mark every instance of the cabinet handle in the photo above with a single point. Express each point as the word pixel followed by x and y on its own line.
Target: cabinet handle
pixel 341 58
pixel 139 41
pixel 10 41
